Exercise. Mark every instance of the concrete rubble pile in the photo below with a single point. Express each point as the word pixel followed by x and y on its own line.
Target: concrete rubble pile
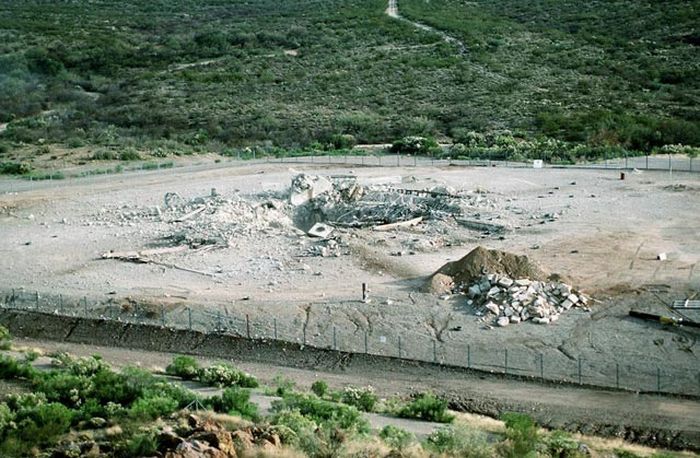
pixel 211 220
pixel 342 202
pixel 215 220
pixel 508 301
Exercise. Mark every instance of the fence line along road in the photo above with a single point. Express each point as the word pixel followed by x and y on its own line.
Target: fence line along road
pixel 667 163
pixel 626 373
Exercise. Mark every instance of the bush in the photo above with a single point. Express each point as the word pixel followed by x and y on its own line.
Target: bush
pixel 153 407
pixel 293 426
pixel 43 423
pixel 15 168
pixel 143 444
pixel 63 387
pixel 223 375
pixel 5 338
pixel 183 366
pixel 10 369
pixel 236 401
pixel 560 444
pixel 396 438
pixel 362 398
pixel 326 413
pixel 460 441
pixel 285 385
pixel 522 435
pixel 416 145
pixel 89 365
pixel 129 154
pixel 426 406
pixel 7 418
pixel 319 388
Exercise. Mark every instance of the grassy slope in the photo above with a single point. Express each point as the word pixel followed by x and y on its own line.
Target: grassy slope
pixel 109 72
pixel 582 69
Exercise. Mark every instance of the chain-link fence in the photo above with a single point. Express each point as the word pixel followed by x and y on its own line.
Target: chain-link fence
pixel 670 163
pixel 626 373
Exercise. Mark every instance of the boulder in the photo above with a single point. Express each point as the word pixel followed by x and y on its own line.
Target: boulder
pixel 493 308
pixel 503 321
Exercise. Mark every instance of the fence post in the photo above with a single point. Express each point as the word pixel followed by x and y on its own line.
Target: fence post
pixel 189 318
pixel 304 331
pixel 542 366
pixel 60 304
pixel 274 325
pixel 335 341
pixel 399 346
pixel 85 306
pixel 579 370
pixel 434 351
pixel 647 162
pixel 247 325
pixel 617 375
pixel 469 356
pixel 658 379
pixel 13 297
pixel 366 344
pixel 505 361
pixel 37 299
pixel 162 315
pixel 398 159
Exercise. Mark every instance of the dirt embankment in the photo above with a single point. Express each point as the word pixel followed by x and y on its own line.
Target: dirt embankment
pixel 651 420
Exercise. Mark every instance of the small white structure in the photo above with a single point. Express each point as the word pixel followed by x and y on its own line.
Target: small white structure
pixel 537 164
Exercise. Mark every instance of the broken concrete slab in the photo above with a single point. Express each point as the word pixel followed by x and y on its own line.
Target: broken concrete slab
pixel 320 230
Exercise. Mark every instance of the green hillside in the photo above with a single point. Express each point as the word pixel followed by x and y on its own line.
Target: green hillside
pixel 212 74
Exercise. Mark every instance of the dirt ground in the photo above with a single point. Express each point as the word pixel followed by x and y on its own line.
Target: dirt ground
pixel 601 232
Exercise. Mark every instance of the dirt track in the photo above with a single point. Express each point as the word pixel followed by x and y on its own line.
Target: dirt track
pixel 647 419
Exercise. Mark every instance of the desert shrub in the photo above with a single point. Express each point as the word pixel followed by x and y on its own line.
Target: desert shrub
pixel 175 391
pixel 343 141
pixel 142 444
pixel 293 426
pixel 521 434
pixel 183 366
pixel 426 406
pixel 319 388
pixel 10 368
pixel 283 385
pixel 326 413
pixel 223 375
pixel 89 365
pixel 153 407
pixel 235 401
pixel 7 417
pixel 5 338
pixel 109 386
pixel 460 441
pixel 63 387
pixel 396 438
pixel 362 398
pixel 560 444
pixel 103 155
pixel 26 401
pixel 415 145
pixel 129 154
pixel 15 168
pixel 43 423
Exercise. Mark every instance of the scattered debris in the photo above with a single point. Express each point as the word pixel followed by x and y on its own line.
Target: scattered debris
pixel 400 224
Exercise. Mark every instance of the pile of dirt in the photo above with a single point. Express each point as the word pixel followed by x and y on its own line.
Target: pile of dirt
pixel 482 261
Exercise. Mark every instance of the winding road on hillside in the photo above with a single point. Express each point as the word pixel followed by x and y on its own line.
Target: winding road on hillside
pixel 392 11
